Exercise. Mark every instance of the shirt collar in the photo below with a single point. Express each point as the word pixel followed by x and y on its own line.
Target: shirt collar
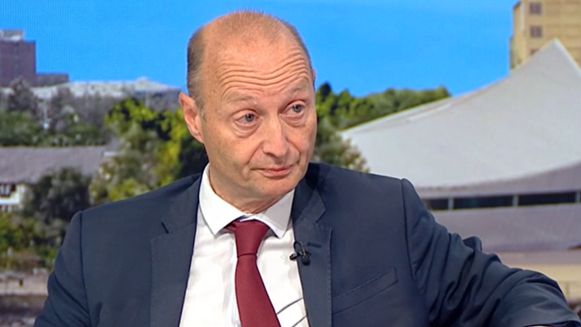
pixel 217 213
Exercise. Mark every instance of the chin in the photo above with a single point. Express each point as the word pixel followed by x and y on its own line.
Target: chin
pixel 280 187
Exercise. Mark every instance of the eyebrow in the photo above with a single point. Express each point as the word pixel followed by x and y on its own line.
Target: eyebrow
pixel 239 97
pixel 301 87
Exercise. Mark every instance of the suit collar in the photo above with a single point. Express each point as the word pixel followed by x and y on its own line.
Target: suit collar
pixel 171 255
pixel 183 207
pixel 172 252
pixel 315 236
pixel 218 213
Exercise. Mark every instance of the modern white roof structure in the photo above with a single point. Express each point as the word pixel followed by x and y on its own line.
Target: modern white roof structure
pixel 502 162
pixel 515 134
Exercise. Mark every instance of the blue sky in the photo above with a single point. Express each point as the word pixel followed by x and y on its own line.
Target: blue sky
pixel 365 46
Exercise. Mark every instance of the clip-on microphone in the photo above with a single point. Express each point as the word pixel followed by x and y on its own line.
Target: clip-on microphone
pixel 301 252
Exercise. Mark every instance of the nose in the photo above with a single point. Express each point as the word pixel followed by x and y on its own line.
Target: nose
pixel 275 139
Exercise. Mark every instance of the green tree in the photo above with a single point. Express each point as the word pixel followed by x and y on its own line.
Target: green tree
pixel 70 131
pixel 17 128
pixel 334 150
pixel 330 147
pixel 392 100
pixel 61 100
pixel 156 149
pixel 11 235
pixel 22 99
pixel 57 196
pixel 27 242
pixel 340 111
pixel 344 110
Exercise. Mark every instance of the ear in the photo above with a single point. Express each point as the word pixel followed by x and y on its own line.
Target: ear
pixel 192 116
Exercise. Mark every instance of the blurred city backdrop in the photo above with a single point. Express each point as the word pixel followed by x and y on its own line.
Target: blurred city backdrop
pixel 480 107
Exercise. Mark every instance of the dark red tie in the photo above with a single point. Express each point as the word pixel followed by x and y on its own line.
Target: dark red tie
pixel 254 306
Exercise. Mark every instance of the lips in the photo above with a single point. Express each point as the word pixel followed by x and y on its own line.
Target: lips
pixel 276 172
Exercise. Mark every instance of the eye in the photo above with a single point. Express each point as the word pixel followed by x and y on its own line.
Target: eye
pixel 295 113
pixel 248 118
pixel 297 108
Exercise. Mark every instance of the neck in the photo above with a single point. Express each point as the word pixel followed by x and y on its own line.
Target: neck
pixel 247 205
pixel 254 207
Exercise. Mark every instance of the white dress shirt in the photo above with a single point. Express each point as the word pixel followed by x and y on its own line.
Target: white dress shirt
pixel 210 298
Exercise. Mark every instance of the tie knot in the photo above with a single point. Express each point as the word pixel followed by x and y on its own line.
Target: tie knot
pixel 249 235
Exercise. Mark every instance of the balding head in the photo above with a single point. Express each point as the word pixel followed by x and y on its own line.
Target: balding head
pixel 238 29
pixel 252 74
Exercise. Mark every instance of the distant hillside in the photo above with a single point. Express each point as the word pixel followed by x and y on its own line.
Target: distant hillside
pixel 345 110
pixel 91 100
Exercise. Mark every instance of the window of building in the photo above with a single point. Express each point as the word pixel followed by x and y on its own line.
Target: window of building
pixel 536 31
pixel 7 189
pixel 547 198
pixel 536 8
pixel 437 204
pixel 483 202
pixel 496 201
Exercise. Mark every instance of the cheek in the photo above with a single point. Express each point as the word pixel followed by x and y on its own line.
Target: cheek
pixel 308 135
pixel 241 153
pixel 303 141
pixel 220 148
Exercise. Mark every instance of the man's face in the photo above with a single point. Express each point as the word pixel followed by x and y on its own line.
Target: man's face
pixel 258 122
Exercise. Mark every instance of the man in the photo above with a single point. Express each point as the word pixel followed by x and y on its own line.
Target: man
pixel 213 250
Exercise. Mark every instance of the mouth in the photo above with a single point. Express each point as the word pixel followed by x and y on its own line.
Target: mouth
pixel 277 172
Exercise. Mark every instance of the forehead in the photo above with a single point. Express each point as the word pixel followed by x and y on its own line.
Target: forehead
pixel 260 66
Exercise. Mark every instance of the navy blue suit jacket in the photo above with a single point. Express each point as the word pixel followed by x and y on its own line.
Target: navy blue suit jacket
pixel 378 258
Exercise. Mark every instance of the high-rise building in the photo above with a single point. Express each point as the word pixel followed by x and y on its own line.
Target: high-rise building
pixel 17 57
pixel 536 22
pixel 18 60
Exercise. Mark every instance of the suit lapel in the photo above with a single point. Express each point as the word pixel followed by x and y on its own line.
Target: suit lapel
pixel 172 254
pixel 171 258
pixel 316 275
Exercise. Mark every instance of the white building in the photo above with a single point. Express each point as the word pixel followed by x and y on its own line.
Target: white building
pixel 502 162
pixel 22 166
